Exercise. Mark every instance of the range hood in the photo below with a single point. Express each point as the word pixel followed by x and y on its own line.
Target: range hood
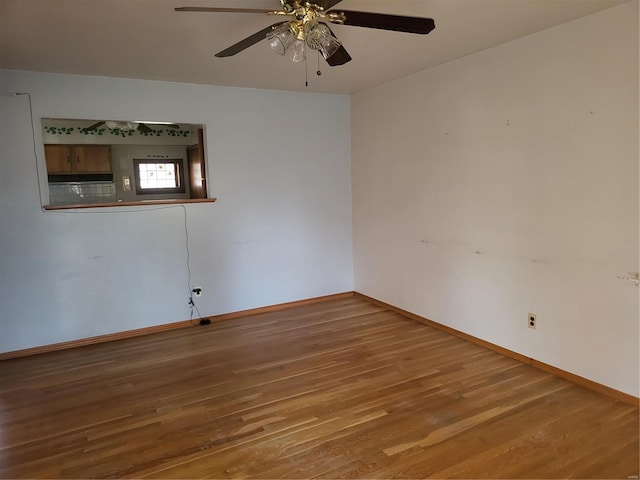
pixel 80 178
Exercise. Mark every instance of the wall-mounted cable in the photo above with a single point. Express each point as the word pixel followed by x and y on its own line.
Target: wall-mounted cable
pixel 33 138
pixel 191 302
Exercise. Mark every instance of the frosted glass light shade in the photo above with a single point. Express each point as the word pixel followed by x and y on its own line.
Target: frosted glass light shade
pixel 280 39
pixel 295 51
pixel 319 37
pixel 125 126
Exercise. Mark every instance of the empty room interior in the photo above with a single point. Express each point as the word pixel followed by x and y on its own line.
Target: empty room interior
pixel 375 239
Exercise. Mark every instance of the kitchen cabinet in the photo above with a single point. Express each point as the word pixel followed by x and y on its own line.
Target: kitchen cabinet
pixel 78 159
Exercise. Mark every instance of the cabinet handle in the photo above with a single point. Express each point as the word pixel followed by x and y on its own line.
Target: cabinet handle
pixel 78 159
pixel 68 159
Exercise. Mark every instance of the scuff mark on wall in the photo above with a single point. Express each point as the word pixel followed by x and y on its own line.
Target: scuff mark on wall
pixel 632 277
pixel 540 260
pixel 522 256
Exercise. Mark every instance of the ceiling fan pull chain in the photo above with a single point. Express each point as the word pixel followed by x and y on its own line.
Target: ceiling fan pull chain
pixel 306 70
pixel 318 72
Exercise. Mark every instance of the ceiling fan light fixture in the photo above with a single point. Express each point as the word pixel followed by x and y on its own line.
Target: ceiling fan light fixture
pixel 295 52
pixel 318 37
pixel 285 41
pixel 124 126
pixel 280 39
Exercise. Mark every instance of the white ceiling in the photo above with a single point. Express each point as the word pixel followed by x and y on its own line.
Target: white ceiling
pixel 147 39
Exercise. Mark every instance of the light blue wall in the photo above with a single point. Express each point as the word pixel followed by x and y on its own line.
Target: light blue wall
pixel 279 164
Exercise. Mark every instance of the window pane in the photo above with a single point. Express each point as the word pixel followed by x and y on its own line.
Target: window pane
pixel 157 175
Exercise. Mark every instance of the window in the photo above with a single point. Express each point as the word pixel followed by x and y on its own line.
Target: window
pixel 159 176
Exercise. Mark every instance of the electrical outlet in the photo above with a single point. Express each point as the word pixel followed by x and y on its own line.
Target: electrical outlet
pixel 197 291
pixel 532 320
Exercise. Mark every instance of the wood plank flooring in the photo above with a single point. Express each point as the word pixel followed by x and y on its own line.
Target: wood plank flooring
pixel 341 389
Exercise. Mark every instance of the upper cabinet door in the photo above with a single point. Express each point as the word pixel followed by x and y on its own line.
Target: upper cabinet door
pixel 78 159
pixel 92 158
pixel 58 158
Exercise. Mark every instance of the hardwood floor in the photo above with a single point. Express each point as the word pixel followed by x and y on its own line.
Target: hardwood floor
pixel 342 389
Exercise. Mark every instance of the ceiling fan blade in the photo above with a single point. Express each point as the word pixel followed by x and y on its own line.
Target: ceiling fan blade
pixel 249 41
pixel 326 4
pixel 95 125
pixel 144 128
pixel 340 56
pixel 214 9
pixel 382 21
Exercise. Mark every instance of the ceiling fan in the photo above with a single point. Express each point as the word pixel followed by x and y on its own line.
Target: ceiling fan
pixel 307 27
pixel 127 126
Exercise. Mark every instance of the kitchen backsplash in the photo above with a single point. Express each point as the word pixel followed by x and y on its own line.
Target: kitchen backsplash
pixel 72 193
